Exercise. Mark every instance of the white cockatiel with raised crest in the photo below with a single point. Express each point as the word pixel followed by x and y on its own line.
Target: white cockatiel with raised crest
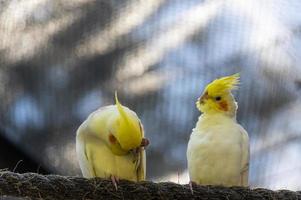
pixel 218 148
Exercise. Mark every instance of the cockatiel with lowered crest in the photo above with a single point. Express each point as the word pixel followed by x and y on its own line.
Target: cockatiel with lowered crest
pixel 218 148
pixel 110 144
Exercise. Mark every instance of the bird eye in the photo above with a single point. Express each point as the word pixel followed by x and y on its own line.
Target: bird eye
pixel 218 98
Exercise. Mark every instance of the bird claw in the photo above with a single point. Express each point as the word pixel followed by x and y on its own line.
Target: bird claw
pixel 191 183
pixel 144 142
pixel 135 152
pixel 115 181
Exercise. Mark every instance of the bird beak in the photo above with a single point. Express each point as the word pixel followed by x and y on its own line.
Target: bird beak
pixel 204 98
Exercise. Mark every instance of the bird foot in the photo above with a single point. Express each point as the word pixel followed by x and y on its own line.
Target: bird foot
pixel 144 142
pixel 115 181
pixel 191 183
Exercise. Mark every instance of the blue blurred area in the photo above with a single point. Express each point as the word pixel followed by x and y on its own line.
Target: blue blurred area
pixel 61 60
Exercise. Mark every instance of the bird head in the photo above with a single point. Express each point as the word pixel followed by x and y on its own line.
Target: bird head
pixel 127 130
pixel 217 97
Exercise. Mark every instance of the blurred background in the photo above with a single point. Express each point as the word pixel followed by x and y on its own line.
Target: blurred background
pixel 61 60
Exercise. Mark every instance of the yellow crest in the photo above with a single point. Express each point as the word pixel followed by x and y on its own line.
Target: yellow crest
pixel 120 109
pixel 128 134
pixel 222 85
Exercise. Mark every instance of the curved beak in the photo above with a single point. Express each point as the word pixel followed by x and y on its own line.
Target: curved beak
pixel 204 98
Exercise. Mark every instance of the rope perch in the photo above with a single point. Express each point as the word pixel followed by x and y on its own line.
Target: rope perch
pixel 36 186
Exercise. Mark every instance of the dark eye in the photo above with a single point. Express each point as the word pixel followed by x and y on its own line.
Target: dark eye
pixel 218 98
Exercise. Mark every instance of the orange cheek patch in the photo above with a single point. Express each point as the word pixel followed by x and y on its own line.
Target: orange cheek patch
pixel 112 139
pixel 223 106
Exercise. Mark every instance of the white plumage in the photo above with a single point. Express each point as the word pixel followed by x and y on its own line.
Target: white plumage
pixel 218 148
pixel 218 152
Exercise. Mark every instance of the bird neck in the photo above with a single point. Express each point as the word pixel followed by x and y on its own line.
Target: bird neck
pixel 215 115
pixel 208 120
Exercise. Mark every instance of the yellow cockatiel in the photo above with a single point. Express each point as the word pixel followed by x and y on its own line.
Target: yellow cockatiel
pixel 218 149
pixel 110 144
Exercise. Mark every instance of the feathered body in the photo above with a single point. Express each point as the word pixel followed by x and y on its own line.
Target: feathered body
pixel 218 149
pixel 108 144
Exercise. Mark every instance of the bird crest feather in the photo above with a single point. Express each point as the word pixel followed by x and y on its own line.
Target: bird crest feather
pixel 223 84
pixel 120 109
pixel 126 126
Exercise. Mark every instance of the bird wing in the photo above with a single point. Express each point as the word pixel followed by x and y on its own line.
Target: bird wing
pixel 141 164
pixel 95 159
pixel 245 149
pixel 100 158
pixel 81 151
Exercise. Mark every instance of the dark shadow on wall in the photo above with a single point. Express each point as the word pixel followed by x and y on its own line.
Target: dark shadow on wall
pixel 14 159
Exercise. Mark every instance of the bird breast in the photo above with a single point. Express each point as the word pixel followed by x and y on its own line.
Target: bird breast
pixel 214 153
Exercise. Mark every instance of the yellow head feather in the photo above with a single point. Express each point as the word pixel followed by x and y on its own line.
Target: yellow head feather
pixel 218 88
pixel 224 84
pixel 128 132
pixel 120 109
